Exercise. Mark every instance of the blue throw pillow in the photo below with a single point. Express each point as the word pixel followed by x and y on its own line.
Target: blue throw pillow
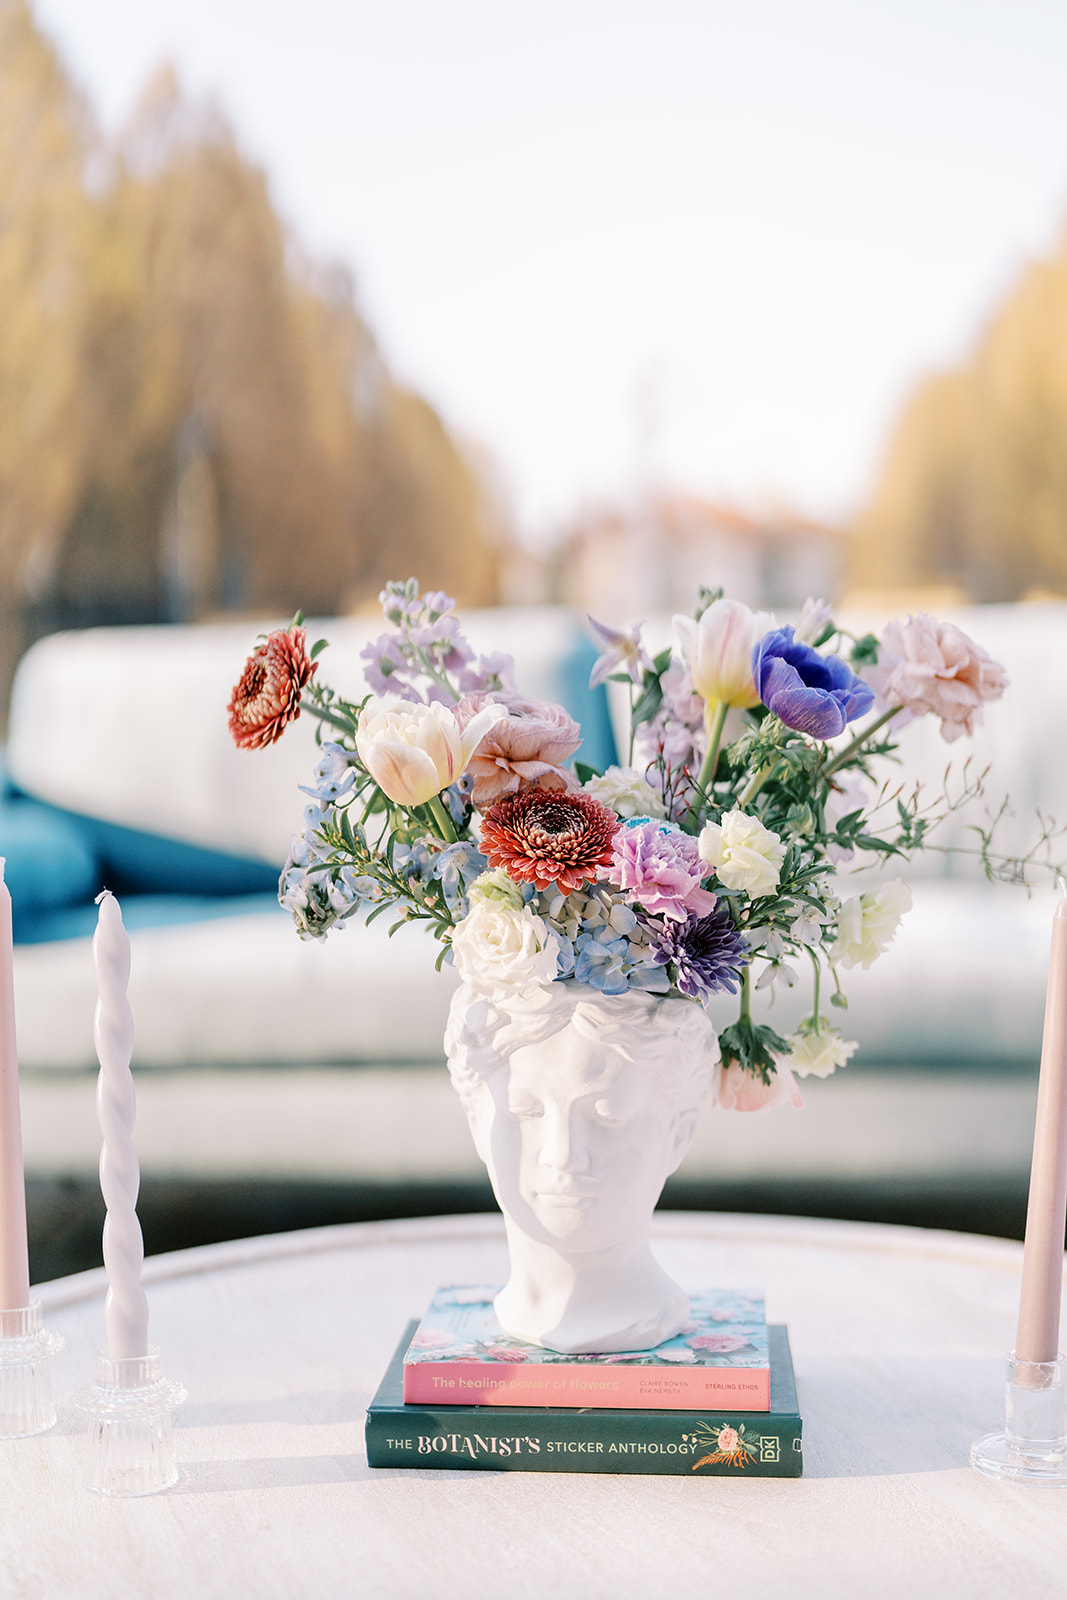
pixel 49 863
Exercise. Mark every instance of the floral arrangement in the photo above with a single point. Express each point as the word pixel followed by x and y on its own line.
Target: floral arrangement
pixel 705 867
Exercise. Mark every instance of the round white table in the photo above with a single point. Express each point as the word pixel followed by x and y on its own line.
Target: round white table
pixel 899 1338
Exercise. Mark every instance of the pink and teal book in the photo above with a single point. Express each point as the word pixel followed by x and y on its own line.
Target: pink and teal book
pixel 461 1356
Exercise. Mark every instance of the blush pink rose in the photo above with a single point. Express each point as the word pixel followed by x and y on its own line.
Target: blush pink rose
pixel 930 666
pixel 524 750
pixel 743 1091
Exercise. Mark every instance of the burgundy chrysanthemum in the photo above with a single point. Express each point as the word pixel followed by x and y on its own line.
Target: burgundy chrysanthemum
pixel 549 836
pixel 267 698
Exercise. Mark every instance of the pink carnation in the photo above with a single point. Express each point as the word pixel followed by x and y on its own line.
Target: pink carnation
pixel 744 1091
pixel 505 1352
pixel 522 751
pixel 930 666
pixel 662 868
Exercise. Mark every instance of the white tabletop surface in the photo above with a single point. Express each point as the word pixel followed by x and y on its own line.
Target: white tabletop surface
pixel 899 1337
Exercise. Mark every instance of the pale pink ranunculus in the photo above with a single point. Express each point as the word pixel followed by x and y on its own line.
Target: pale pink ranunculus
pixel 930 666
pixel 524 750
pixel 743 1091
pixel 729 1440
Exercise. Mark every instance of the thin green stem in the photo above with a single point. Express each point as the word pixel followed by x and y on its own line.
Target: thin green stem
pixel 746 995
pixel 817 965
pixel 755 784
pixel 706 775
pixel 442 818
pixel 432 672
pixel 861 738
pixel 336 719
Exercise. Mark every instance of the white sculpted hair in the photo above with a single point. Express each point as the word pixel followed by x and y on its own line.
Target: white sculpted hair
pixel 677 1039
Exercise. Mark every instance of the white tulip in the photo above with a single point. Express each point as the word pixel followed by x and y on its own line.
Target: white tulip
pixel 413 751
pixel 717 649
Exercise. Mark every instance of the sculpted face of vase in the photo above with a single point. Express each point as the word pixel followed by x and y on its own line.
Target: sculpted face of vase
pixel 581 1106
pixel 579 1141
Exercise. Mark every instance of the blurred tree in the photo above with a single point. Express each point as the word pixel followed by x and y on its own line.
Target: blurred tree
pixel 193 417
pixel 45 224
pixel 973 491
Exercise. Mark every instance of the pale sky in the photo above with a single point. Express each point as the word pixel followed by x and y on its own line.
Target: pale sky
pixel 756 223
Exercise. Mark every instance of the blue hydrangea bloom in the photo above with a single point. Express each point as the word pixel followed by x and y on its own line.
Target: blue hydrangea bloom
pixel 600 961
pixel 814 694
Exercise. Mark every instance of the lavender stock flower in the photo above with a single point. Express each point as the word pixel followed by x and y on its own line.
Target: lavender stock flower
pixel 814 694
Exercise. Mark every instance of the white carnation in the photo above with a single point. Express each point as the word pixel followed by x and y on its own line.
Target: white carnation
pixel 626 792
pixel 867 922
pixel 816 1055
pixel 744 853
pixel 496 946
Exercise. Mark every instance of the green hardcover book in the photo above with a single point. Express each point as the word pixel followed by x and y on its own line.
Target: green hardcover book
pixel 590 1439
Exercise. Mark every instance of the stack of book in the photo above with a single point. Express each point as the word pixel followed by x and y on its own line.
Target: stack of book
pixel 720 1398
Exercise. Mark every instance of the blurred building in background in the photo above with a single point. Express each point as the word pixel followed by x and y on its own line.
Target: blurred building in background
pixel 651 556
pixel 194 418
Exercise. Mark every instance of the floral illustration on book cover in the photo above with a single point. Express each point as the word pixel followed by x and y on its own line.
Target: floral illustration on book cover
pixel 726 1328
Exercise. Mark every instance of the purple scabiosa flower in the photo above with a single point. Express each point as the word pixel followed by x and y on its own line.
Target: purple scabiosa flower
pixel 707 953
pixel 660 867
pixel 814 694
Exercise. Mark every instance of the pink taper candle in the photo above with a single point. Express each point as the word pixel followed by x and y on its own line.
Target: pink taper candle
pixel 1046 1213
pixel 125 1308
pixel 14 1257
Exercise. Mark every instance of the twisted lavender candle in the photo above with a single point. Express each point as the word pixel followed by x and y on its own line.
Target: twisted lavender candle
pixel 125 1308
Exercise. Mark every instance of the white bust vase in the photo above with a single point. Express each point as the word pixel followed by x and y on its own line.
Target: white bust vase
pixel 581 1106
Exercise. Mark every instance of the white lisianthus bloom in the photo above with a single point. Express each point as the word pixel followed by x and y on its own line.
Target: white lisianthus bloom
pixel 744 853
pixel 867 922
pixel 816 1055
pixel 717 649
pixel 495 888
pixel 497 946
pixel 626 792
pixel 413 751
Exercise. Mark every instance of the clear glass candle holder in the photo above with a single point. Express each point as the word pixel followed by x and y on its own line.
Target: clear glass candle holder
pixel 131 1446
pixel 1033 1446
pixel 27 1395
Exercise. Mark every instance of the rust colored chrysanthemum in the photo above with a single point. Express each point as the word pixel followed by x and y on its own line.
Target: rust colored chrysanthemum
pixel 548 836
pixel 267 698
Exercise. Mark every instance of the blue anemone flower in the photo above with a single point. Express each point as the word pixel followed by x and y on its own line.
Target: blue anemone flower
pixel 814 694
